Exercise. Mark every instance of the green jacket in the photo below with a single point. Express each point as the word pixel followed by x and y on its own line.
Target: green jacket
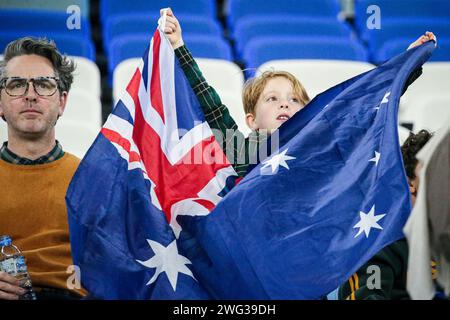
pixel 382 277
pixel 240 151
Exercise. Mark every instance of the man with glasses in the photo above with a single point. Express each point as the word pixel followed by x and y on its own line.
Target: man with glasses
pixel 34 170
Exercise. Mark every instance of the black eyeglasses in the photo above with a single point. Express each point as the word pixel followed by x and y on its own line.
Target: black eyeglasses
pixel 17 86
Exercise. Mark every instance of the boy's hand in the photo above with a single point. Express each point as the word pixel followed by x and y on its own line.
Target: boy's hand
pixel 425 38
pixel 172 29
pixel 9 287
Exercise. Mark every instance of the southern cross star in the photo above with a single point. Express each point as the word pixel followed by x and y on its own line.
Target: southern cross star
pixel 368 221
pixel 376 158
pixel 167 259
pixel 278 160
pixel 385 100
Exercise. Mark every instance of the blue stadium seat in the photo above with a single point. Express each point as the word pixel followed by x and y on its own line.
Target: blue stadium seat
pixel 24 20
pixel 284 25
pixel 109 8
pixel 66 43
pixel 48 5
pixel 146 23
pixel 260 50
pixel 405 9
pixel 125 47
pixel 239 9
pixel 396 46
pixel 404 28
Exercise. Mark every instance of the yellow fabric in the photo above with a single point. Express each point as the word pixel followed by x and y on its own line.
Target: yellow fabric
pixel 33 212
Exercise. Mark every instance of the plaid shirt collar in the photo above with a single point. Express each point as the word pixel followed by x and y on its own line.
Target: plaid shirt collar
pixel 9 156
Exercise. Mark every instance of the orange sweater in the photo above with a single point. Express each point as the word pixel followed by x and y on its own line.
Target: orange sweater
pixel 33 212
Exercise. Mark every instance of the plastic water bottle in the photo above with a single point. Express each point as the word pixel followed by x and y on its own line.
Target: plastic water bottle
pixel 13 262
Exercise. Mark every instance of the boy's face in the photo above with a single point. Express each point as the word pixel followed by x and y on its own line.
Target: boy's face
pixel 276 104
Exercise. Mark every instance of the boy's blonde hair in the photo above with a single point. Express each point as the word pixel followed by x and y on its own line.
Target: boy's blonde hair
pixel 255 86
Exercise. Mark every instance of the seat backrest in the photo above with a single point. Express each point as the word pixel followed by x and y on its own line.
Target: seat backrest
pixel 434 80
pixel 126 47
pixel 66 43
pixel 236 109
pixel 406 9
pixel 222 75
pixel 76 138
pixel 404 28
pixel 252 27
pixel 46 21
pixel 237 9
pixel 430 111
pixel 263 49
pixel 122 75
pixel 132 23
pixel 82 107
pixel 60 5
pixel 311 72
pixel 403 134
pixel 395 46
pixel 86 76
pixel 109 8
pixel 3 131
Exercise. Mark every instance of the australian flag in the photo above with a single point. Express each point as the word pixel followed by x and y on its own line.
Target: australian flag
pixel 151 219
pixel 155 159
pixel 328 199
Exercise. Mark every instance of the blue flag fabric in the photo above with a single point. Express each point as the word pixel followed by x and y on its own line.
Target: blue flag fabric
pixel 334 194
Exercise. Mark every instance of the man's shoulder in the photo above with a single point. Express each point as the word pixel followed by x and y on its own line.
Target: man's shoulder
pixel 71 160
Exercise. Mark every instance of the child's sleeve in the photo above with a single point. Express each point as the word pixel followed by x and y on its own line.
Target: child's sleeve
pixel 216 113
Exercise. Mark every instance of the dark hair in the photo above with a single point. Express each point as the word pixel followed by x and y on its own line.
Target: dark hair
pixel 62 65
pixel 410 148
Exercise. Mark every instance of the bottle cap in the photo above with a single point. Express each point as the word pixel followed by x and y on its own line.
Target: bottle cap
pixel 5 241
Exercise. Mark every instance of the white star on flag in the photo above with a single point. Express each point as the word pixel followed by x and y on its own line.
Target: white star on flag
pixel 368 221
pixel 278 160
pixel 167 259
pixel 376 158
pixel 385 100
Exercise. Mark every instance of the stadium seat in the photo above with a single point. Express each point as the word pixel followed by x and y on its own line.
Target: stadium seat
pixel 238 9
pixel 125 47
pixel 236 109
pixel 109 8
pixel 3 131
pixel 430 111
pixel 396 46
pixel 405 9
pixel 28 20
pixel 262 49
pixel 403 134
pixel 401 28
pixel 82 108
pixel 48 5
pixel 86 76
pixel 222 75
pixel 66 43
pixel 311 72
pixel 132 23
pixel 393 29
pixel 76 138
pixel 433 82
pixel 122 75
pixel 435 78
pixel 251 27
